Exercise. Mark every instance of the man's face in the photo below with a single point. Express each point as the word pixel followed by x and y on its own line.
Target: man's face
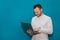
pixel 38 11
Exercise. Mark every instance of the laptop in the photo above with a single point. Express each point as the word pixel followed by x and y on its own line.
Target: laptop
pixel 27 26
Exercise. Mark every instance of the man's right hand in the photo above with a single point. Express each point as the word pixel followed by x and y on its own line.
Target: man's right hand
pixel 30 32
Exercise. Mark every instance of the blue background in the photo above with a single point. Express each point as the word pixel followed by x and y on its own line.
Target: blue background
pixel 13 12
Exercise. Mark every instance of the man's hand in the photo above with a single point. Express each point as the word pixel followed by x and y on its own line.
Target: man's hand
pixel 30 32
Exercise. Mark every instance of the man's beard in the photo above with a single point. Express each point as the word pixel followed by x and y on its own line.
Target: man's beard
pixel 39 15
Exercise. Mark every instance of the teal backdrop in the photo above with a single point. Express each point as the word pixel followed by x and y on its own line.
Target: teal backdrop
pixel 13 12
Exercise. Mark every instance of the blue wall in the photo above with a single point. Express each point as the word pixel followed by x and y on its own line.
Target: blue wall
pixel 13 12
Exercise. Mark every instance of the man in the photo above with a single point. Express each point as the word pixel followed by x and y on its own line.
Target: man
pixel 41 23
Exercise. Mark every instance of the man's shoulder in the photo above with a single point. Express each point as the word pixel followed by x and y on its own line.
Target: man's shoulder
pixel 47 17
pixel 34 17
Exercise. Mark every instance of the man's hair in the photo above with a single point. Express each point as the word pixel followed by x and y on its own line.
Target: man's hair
pixel 37 5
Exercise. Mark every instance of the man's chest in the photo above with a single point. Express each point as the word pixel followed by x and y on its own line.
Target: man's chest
pixel 40 22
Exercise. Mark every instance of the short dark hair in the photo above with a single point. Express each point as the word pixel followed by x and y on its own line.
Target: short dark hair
pixel 37 5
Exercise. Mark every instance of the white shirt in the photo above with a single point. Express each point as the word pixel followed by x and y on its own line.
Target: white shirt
pixel 43 22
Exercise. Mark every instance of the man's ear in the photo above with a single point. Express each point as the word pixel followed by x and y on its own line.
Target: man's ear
pixel 41 10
